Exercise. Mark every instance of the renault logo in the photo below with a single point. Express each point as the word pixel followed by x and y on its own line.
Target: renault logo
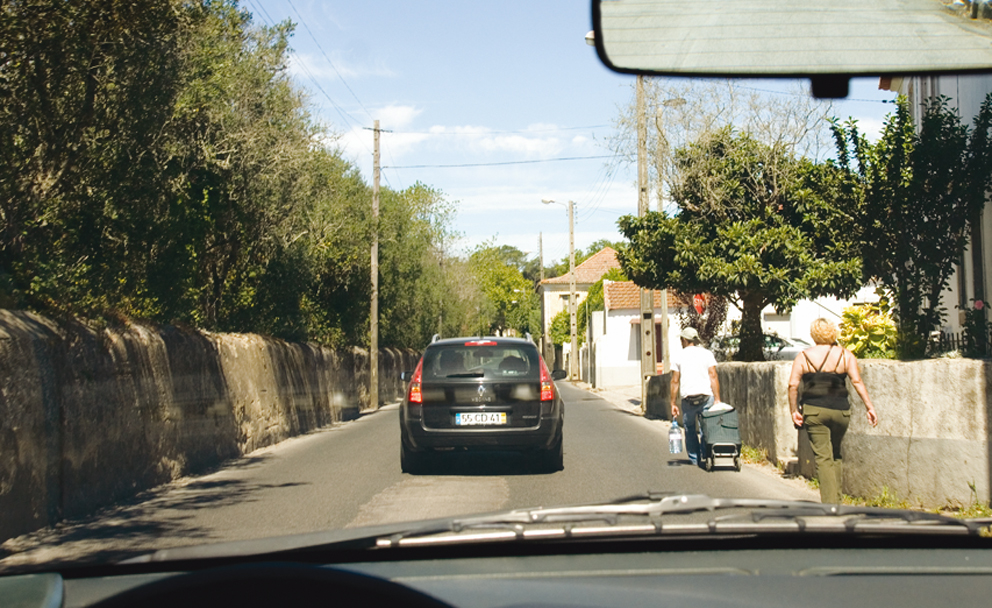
pixel 484 396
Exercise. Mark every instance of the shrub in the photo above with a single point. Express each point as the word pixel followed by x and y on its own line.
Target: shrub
pixel 976 332
pixel 869 331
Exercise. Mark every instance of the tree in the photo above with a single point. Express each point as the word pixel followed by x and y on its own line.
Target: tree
pixel 754 224
pixel 160 163
pixel 919 192
pixel 682 111
pixel 85 90
pixel 709 322
pixel 508 296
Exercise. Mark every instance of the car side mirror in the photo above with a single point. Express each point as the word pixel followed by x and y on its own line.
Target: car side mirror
pixel 559 374
pixel 406 376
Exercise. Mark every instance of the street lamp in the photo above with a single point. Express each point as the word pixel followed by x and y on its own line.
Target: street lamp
pixel 573 361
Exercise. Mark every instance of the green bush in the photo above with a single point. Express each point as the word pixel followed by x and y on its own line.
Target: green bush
pixel 976 331
pixel 869 331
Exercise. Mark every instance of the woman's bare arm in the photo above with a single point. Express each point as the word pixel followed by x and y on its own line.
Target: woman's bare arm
pixel 859 386
pixel 794 378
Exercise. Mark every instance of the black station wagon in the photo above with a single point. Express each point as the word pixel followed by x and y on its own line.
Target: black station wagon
pixel 481 394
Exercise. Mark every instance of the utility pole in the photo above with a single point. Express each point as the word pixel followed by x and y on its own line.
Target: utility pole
pixel 374 317
pixel 573 361
pixel 649 366
pixel 666 354
pixel 540 252
pixel 540 261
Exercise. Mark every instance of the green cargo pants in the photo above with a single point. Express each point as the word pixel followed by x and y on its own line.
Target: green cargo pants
pixel 826 428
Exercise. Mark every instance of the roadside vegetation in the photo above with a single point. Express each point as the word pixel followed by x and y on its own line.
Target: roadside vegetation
pixel 758 209
pixel 160 164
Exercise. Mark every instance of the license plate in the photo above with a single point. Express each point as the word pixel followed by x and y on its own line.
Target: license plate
pixel 480 418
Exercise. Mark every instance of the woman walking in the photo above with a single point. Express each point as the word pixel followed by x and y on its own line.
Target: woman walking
pixel 822 405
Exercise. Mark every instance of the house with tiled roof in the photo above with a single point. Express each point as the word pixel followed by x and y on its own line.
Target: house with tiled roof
pixel 554 292
pixel 615 337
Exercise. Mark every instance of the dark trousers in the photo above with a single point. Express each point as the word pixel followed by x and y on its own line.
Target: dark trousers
pixel 689 414
pixel 826 428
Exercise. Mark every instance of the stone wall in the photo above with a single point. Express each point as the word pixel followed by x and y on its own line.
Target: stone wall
pixel 931 446
pixel 90 417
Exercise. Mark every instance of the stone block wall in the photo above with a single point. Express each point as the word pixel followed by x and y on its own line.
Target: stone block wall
pixel 931 446
pixel 90 417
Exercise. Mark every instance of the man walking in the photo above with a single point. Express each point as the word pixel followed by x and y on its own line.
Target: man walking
pixel 694 379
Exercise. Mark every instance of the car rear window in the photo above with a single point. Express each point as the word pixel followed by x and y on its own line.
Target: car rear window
pixel 493 361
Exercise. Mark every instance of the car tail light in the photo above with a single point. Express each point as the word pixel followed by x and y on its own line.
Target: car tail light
pixel 481 343
pixel 415 395
pixel 547 386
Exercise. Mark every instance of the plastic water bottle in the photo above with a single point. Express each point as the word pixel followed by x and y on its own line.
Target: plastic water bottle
pixel 675 438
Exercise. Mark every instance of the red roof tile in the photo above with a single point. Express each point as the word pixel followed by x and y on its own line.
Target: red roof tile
pixel 624 295
pixel 591 270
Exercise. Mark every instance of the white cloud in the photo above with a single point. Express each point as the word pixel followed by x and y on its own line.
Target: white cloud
pixel 871 128
pixel 358 142
pixel 528 147
pixel 396 116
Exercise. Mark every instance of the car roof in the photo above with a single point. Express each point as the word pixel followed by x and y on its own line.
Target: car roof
pixel 497 339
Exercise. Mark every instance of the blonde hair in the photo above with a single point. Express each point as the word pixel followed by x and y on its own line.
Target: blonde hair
pixel 823 331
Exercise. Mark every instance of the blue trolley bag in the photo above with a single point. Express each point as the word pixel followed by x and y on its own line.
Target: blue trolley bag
pixel 719 438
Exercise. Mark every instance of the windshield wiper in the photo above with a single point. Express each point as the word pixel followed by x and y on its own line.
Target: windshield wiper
pixel 646 514
pixel 466 375
pixel 641 515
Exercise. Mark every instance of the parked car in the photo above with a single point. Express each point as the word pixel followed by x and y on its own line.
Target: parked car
pixel 481 394
pixel 776 347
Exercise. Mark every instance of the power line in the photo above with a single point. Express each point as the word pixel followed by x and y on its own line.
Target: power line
pixel 791 94
pixel 490 132
pixel 328 59
pixel 348 119
pixel 511 162
pixel 261 8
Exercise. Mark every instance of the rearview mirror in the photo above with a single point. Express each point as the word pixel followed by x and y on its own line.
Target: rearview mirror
pixel 755 38
pixel 559 374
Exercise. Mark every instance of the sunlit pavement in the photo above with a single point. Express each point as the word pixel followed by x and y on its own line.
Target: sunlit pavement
pixel 349 475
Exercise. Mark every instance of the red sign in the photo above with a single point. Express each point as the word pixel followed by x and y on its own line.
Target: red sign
pixel 699 303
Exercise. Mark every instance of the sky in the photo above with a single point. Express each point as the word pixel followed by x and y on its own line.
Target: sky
pixel 498 105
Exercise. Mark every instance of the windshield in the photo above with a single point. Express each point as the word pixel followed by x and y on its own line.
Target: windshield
pixel 274 267
pixel 481 361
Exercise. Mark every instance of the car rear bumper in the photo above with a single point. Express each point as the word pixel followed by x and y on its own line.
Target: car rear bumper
pixel 542 436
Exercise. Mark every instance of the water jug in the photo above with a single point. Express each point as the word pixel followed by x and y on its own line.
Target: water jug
pixel 675 438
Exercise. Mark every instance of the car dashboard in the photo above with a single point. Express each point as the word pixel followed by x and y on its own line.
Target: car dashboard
pixel 699 572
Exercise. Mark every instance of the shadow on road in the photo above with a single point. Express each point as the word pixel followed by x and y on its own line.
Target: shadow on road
pixel 155 519
pixel 482 464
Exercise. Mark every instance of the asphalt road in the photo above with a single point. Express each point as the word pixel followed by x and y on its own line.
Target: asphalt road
pixel 349 475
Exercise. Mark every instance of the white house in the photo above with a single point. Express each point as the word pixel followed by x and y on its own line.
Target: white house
pixel 796 322
pixel 615 336
pixel 554 293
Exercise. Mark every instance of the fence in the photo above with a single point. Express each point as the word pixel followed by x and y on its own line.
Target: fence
pixel 972 347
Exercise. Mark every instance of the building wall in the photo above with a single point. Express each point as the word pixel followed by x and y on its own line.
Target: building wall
pixel 796 322
pixel 617 352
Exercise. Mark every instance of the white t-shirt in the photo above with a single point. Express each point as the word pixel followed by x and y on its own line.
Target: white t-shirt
pixel 693 365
